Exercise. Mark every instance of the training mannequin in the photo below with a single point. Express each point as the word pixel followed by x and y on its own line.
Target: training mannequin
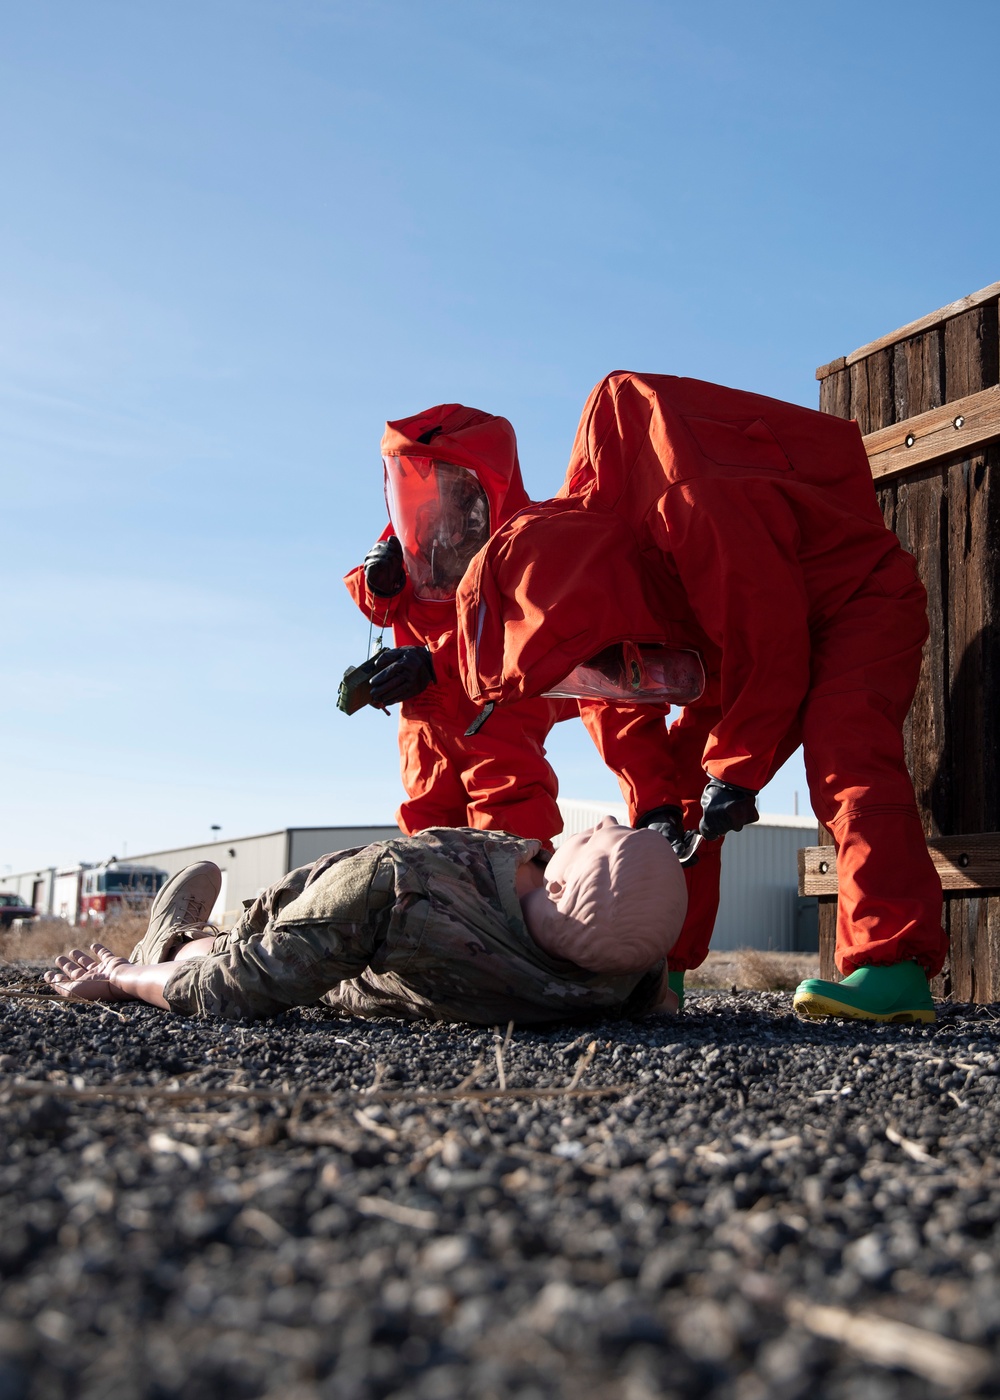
pixel 456 925
pixel 758 531
pixel 451 476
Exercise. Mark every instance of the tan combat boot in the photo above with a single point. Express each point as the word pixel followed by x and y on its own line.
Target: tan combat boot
pixel 180 910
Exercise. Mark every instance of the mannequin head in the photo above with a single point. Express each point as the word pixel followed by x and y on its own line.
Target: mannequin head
pixel 613 900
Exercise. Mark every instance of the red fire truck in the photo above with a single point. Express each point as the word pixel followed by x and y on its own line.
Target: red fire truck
pixel 116 888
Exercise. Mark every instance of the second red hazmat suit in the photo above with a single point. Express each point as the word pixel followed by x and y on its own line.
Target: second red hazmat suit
pixel 757 522
pixel 453 471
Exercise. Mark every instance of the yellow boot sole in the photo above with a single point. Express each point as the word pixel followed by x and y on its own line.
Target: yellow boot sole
pixel 816 1007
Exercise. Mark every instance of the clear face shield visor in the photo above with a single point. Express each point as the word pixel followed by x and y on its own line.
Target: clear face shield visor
pixel 441 515
pixel 635 674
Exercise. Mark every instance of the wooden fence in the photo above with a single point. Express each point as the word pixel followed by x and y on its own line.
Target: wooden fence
pixel 927 399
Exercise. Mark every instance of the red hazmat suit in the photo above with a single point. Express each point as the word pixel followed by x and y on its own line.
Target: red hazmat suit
pixel 498 779
pixel 757 521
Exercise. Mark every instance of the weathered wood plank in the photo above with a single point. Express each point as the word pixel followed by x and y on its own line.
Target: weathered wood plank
pixel 974 930
pixel 962 916
pixel 970 756
pixel 971 352
pixel 835 394
pixel 827 915
pixel 987 982
pixel 924 323
pixel 872 401
pixel 972 749
pixel 828 940
pixel 917 374
pixel 921 520
pixel 964 863
pixel 965 425
pixel 833 367
pixel 886 494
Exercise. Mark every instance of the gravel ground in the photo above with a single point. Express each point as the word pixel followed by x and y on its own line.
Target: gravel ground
pixel 733 1204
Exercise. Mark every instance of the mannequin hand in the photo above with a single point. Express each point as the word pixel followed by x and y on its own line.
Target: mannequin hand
pixel 669 822
pixel 92 978
pixel 726 807
pixel 101 975
pixel 384 572
pixel 402 673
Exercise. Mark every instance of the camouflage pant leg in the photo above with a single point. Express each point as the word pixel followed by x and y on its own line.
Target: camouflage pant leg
pixel 301 938
pixel 267 906
pixel 379 994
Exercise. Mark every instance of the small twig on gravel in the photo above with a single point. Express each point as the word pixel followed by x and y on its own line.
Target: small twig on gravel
pixel 265 1133
pixel 424 1156
pixel 266 1226
pixel 372 1125
pixel 162 1142
pixel 376 1083
pixel 582 1065
pixel 912 1149
pixel 501 1073
pixel 954 1366
pixel 470 1078
pixel 500 1046
pixel 399 1215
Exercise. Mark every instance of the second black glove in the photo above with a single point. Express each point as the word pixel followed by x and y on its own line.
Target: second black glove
pixel 401 673
pixel 669 822
pixel 384 571
pixel 726 807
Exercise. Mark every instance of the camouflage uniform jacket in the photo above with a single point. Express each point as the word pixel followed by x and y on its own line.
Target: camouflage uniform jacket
pixel 426 927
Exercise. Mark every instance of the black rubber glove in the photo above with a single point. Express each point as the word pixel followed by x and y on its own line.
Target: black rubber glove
pixel 384 572
pixel 400 674
pixel 669 822
pixel 726 807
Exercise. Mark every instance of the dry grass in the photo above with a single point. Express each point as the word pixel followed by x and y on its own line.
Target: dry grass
pixel 46 938
pixel 751 969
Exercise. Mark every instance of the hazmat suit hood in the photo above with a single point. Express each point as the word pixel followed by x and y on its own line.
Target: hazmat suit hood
pixel 553 588
pixel 465 437
pixel 451 475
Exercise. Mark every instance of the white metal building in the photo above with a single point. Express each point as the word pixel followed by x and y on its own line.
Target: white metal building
pixel 250 863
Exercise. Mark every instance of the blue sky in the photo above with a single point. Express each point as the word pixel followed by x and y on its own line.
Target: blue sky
pixel 237 235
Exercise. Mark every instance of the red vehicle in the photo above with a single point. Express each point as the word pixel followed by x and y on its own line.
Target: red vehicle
pixel 117 888
pixel 12 907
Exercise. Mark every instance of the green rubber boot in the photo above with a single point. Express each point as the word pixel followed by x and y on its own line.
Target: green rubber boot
pixel 897 993
pixel 676 984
